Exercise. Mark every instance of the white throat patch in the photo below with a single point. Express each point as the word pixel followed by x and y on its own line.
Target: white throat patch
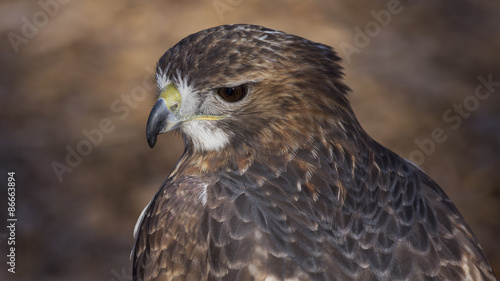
pixel 205 135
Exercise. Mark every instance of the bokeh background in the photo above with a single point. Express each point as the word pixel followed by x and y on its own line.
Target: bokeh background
pixel 69 68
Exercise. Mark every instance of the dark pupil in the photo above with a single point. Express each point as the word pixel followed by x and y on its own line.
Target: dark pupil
pixel 229 91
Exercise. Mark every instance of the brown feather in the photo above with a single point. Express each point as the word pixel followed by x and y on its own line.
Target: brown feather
pixel 301 192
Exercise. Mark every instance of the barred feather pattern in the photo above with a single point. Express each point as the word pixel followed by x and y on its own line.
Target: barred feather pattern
pixel 385 220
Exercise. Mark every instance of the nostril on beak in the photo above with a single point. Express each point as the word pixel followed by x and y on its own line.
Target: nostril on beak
pixel 173 107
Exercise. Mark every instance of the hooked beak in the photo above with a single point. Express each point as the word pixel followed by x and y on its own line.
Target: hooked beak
pixel 162 117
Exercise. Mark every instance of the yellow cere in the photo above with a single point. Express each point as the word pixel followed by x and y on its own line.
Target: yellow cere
pixel 171 96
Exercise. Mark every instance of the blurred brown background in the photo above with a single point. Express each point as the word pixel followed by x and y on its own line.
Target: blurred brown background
pixel 69 68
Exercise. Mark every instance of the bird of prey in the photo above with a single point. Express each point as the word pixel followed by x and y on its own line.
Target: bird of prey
pixel 278 180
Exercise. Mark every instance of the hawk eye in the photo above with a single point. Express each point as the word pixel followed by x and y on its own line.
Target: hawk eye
pixel 233 94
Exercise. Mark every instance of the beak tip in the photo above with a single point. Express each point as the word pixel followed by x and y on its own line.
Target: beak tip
pixel 151 143
pixel 151 136
pixel 156 122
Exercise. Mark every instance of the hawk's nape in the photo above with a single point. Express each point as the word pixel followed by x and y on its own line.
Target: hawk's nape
pixel 278 181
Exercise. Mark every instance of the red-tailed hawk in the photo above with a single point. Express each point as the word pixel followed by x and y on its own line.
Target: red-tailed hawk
pixel 278 181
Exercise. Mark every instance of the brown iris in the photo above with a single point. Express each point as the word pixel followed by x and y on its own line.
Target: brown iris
pixel 232 94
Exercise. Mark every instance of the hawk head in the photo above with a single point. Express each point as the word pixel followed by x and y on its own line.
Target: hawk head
pixel 237 86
